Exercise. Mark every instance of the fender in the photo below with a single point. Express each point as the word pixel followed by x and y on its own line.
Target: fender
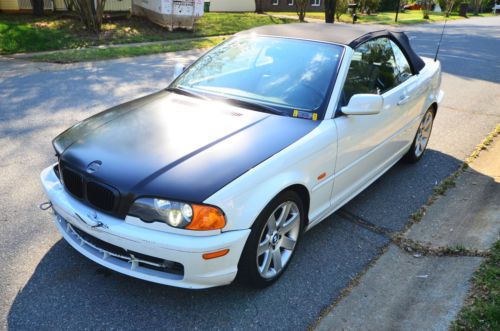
pixel 432 73
pixel 243 199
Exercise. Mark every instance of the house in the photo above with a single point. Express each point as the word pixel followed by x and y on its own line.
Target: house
pixel 58 5
pixel 267 5
pixel 289 5
pixel 232 5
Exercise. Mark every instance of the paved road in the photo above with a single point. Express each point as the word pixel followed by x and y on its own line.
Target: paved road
pixel 46 284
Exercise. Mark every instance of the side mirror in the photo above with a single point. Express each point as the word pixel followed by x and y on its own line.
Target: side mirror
pixel 178 70
pixel 364 104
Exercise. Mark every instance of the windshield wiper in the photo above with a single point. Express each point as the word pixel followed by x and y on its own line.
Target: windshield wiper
pixel 254 106
pixel 182 91
pixel 237 102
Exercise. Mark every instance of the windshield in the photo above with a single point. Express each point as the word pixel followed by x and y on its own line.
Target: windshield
pixel 285 74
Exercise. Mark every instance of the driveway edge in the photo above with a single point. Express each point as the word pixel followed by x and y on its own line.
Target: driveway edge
pixel 407 264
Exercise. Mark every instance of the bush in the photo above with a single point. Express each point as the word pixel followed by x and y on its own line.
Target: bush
pixel 91 15
pixel 340 8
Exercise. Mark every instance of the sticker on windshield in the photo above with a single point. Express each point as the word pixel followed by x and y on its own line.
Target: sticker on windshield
pixel 303 114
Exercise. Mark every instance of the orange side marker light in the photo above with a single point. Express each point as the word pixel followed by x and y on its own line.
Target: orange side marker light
pixel 323 175
pixel 213 255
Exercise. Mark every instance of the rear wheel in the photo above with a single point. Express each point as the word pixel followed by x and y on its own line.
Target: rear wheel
pixel 422 137
pixel 273 241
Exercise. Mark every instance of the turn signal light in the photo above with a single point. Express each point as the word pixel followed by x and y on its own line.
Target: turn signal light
pixel 213 255
pixel 206 218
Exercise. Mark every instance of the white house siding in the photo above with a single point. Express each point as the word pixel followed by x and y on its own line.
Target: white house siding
pixel 118 5
pixel 232 5
pixel 111 5
pixel 59 4
pixel 26 4
pixel 9 5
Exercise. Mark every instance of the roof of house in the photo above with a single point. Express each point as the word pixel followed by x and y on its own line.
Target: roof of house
pixel 351 35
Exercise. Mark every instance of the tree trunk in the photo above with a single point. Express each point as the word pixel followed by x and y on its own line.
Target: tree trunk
pixel 398 6
pixel 476 7
pixel 330 11
pixel 301 8
pixel 37 6
pixel 258 7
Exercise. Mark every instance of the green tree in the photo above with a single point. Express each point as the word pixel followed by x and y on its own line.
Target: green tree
pixel 91 13
pixel 330 8
pixel 37 6
pixel 301 8
pixel 340 8
pixel 476 6
pixel 448 7
pixel 258 7
pixel 368 6
pixel 426 8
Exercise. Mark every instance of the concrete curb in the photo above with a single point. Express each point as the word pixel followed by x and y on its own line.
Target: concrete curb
pixel 149 43
pixel 426 288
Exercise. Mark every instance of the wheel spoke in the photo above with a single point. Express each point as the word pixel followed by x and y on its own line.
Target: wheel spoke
pixel 277 260
pixel 428 121
pixel 263 246
pixel 266 263
pixel 284 215
pixel 271 223
pixel 417 147
pixel 427 132
pixel 289 225
pixel 288 243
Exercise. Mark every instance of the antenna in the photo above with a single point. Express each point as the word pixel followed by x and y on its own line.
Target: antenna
pixel 440 39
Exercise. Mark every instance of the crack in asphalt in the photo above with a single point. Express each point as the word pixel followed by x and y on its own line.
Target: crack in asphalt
pixel 413 247
pixel 358 220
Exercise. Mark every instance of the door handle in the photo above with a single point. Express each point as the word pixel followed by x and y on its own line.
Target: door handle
pixel 403 100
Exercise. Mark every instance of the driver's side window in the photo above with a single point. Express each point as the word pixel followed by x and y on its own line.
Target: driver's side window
pixel 373 69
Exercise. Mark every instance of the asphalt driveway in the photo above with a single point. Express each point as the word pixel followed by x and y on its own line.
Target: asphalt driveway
pixel 45 284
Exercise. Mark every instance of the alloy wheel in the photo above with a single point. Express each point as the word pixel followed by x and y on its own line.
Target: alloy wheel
pixel 423 134
pixel 278 239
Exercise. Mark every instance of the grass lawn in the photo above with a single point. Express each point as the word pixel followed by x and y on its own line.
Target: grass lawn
pixel 96 54
pixel 408 17
pixel 23 33
pixel 483 312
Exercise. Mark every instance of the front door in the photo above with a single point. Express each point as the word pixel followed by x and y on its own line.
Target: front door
pixel 369 144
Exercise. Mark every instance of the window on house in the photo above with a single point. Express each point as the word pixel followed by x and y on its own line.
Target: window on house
pixel 290 2
pixel 315 3
pixel 275 2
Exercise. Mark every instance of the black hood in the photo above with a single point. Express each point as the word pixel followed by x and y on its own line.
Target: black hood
pixel 172 146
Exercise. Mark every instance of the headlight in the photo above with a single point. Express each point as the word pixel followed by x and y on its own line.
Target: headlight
pixel 178 214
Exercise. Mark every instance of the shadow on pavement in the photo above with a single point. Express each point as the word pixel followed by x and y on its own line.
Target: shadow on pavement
pixel 471 58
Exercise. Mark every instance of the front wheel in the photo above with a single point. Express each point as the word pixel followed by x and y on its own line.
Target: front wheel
pixel 273 241
pixel 422 137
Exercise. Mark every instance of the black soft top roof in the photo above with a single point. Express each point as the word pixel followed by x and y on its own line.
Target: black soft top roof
pixel 351 35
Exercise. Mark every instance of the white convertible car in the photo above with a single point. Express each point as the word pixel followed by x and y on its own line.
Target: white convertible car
pixel 219 175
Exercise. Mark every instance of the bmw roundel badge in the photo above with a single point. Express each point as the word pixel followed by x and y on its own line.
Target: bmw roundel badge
pixel 93 166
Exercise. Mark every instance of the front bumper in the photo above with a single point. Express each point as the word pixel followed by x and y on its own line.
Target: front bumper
pixel 74 220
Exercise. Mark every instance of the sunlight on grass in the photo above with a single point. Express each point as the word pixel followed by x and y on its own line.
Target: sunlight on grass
pixel 96 54
pixel 408 17
pixel 24 33
pixel 483 312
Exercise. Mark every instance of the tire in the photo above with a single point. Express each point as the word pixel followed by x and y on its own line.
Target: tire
pixel 419 145
pixel 260 267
